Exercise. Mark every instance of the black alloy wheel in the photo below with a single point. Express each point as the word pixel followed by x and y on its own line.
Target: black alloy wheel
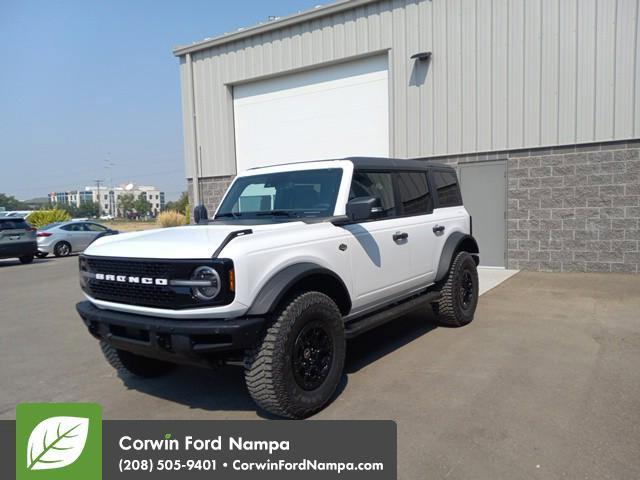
pixel 312 356
pixel 467 289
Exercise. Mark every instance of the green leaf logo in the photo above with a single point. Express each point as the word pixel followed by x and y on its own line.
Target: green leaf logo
pixel 57 442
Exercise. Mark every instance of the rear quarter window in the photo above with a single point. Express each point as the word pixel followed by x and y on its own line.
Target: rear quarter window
pixel 415 196
pixel 447 188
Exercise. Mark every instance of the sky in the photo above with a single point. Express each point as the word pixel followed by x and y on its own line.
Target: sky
pixel 87 83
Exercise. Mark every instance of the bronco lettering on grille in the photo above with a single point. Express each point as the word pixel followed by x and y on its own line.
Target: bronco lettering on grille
pixel 131 279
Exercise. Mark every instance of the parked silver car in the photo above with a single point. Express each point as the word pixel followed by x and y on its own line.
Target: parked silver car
pixel 63 238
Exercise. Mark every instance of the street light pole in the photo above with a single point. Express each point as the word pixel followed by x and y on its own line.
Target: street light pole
pixel 109 166
pixel 99 199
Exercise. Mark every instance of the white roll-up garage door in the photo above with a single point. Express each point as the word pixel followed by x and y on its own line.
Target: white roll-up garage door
pixel 331 112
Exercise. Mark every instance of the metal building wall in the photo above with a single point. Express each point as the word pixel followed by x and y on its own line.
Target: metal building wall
pixel 505 74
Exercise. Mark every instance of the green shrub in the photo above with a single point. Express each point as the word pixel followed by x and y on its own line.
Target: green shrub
pixel 40 218
pixel 171 218
pixel 187 213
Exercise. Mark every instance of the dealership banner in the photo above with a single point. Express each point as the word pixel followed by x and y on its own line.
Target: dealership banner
pixel 51 441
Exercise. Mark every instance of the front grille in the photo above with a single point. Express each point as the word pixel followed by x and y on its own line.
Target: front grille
pixel 130 267
pixel 145 295
pixel 150 295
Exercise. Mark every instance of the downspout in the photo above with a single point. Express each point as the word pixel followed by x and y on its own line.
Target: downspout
pixel 194 139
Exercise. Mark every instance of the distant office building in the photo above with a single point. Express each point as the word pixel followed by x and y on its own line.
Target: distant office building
pixel 74 197
pixel 108 198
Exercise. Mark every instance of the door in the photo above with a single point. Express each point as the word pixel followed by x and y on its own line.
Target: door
pixel 419 222
pixel 380 259
pixel 331 112
pixel 484 195
pixel 77 236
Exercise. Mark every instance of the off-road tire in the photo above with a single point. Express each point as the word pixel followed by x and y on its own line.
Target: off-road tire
pixel 269 368
pixel 59 249
pixel 26 259
pixel 127 363
pixel 450 309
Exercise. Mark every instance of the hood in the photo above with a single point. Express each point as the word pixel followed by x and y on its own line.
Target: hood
pixel 193 241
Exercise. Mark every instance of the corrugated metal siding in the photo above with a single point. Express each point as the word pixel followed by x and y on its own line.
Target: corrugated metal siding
pixel 505 74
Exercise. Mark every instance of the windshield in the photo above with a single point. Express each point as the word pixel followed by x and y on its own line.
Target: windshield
pixel 282 195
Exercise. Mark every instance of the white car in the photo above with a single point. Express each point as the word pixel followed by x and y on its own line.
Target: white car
pixel 64 238
pixel 297 259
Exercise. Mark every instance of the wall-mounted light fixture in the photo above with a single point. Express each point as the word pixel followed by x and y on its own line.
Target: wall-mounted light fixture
pixel 422 56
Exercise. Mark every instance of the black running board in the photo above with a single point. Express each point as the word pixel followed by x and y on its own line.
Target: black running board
pixel 363 324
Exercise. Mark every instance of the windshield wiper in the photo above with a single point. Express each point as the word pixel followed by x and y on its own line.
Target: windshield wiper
pixel 228 214
pixel 277 213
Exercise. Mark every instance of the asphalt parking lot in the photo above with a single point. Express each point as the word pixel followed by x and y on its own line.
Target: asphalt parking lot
pixel 544 384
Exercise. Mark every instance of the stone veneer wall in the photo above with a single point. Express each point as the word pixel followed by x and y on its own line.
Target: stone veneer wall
pixel 212 189
pixel 572 208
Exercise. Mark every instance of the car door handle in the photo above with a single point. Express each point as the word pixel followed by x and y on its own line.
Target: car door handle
pixel 438 229
pixel 400 236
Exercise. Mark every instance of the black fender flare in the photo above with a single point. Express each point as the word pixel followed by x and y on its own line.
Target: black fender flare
pixel 279 284
pixel 455 243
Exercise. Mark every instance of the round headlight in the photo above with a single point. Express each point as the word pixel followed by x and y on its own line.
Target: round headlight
pixel 211 283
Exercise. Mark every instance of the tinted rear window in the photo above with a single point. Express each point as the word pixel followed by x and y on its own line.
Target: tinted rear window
pixel 414 193
pixel 14 224
pixel 446 185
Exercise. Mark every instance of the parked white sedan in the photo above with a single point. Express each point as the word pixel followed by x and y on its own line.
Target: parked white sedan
pixel 63 238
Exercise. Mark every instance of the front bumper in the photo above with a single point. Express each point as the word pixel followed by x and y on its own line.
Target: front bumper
pixel 196 342
pixel 17 249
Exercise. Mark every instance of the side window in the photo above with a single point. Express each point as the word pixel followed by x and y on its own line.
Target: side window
pixel 375 184
pixel 73 227
pixel 415 196
pixel 92 227
pixel 446 185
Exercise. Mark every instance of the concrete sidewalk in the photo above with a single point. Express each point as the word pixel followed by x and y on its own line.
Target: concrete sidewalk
pixel 492 277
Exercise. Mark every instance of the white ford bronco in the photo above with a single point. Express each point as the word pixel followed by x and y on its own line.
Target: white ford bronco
pixel 297 259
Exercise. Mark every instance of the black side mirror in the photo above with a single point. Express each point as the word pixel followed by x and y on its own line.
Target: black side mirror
pixel 363 208
pixel 200 214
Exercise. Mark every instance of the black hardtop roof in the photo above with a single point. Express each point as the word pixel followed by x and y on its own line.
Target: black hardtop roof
pixel 382 163
pixel 377 163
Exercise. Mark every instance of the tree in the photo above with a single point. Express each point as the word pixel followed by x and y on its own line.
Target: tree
pixel 179 205
pixel 142 206
pixel 126 203
pixel 11 203
pixel 72 210
pixel 88 209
